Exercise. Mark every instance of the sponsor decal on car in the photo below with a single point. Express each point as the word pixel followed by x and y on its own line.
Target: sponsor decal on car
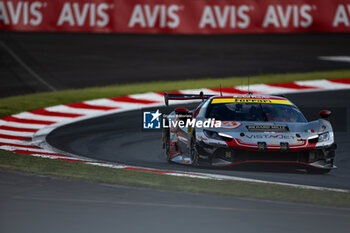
pixel 263 128
pixel 269 136
pixel 250 100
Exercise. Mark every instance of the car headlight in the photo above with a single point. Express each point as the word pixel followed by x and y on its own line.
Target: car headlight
pixel 323 137
pixel 216 135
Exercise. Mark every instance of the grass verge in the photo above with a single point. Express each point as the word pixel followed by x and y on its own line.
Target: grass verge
pixel 12 105
pixel 9 160
pixel 145 179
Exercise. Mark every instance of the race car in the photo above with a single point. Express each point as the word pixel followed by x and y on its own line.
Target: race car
pixel 240 129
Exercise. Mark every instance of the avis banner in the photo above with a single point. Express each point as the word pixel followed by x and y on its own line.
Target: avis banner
pixel 176 16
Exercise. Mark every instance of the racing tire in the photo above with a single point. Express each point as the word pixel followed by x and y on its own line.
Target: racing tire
pixel 167 146
pixel 193 151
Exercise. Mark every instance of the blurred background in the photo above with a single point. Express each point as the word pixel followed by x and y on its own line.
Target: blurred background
pixel 65 44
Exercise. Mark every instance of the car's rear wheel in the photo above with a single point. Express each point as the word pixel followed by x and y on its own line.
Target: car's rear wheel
pixel 167 146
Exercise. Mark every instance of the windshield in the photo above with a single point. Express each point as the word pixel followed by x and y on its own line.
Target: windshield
pixel 255 112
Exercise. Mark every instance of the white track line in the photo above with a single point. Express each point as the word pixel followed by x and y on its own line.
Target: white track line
pixel 12 148
pixel 217 177
pixel 27 68
pixel 59 157
pixel 335 58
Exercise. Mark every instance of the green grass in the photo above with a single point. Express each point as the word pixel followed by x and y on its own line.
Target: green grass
pixel 43 166
pixel 18 104
pixel 9 160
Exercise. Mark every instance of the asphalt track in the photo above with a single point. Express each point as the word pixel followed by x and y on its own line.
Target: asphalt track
pixel 44 204
pixel 119 138
pixel 67 60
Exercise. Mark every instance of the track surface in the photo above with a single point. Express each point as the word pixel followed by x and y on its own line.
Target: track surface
pixel 43 204
pixel 82 60
pixel 119 138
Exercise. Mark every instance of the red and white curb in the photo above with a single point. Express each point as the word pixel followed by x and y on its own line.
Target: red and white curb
pixel 25 133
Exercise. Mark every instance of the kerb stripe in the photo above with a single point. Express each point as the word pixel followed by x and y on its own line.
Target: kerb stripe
pixel 27 121
pixel 292 86
pixel 17 129
pixel 89 106
pixel 15 137
pixel 132 100
pixel 45 112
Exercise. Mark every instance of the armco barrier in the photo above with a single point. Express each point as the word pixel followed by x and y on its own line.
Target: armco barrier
pixel 176 16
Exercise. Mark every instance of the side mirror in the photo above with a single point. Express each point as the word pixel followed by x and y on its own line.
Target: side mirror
pixel 325 114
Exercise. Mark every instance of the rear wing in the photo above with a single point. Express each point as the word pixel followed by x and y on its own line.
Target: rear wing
pixel 168 97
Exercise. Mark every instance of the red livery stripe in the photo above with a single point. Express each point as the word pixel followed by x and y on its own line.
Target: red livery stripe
pixel 291 86
pixel 18 145
pixel 29 152
pixel 10 128
pixel 343 80
pixel 15 137
pixel 91 107
pixel 27 121
pixel 45 112
pixel 133 100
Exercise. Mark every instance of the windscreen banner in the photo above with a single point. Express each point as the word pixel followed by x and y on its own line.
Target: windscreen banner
pixel 176 16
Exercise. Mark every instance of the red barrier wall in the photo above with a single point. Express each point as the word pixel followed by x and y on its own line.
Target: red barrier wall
pixel 176 16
